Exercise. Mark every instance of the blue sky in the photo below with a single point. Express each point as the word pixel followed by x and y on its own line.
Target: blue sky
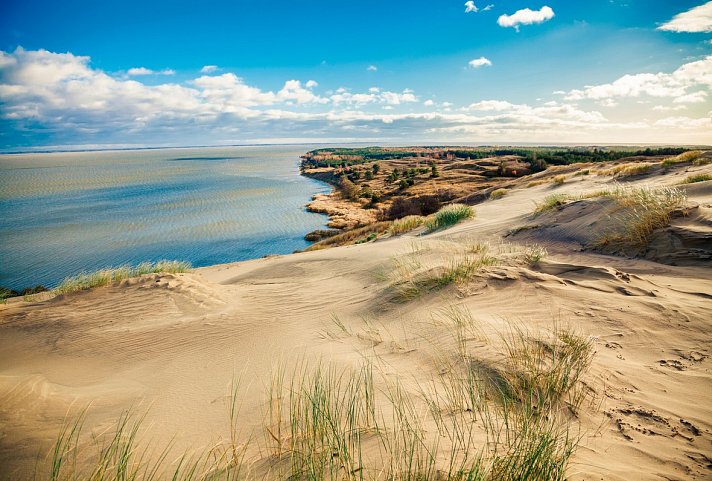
pixel 199 73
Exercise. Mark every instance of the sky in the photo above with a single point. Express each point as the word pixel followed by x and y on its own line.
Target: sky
pixel 88 74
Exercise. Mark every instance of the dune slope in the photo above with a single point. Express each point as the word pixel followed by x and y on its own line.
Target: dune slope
pixel 170 345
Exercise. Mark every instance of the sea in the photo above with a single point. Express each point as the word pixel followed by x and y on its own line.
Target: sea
pixel 64 213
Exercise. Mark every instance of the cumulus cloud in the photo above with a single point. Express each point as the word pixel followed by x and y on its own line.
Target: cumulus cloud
pixel 674 85
pixel 471 7
pixel 62 93
pixel 372 68
pixel 488 7
pixel 137 71
pixel 698 19
pixel 209 69
pixel 526 16
pixel 480 62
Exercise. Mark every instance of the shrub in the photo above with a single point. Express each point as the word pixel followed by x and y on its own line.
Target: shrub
pixel 449 216
pixel 348 189
pixel 498 193
pixel 420 205
pixel 558 180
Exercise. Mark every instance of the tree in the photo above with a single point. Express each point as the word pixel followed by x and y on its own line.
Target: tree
pixel 348 189
pixel 434 170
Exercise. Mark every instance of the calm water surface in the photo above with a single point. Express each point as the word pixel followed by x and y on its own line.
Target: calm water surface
pixel 64 213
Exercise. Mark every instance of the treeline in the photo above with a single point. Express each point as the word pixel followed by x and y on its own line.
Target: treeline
pixel 537 157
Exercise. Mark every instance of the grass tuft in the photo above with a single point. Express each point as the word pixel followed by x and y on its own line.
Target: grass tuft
pixel 550 202
pixel 449 215
pixel 697 178
pixel 110 275
pixel 646 209
pixel 498 193
pixel 685 157
pixel 406 224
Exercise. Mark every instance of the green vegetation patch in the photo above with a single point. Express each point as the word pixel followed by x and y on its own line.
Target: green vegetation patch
pixel 88 280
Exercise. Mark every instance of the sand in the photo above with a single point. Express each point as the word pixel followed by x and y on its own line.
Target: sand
pixel 170 345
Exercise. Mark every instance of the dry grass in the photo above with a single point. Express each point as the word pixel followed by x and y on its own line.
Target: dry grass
pixel 550 202
pixel 107 276
pixel 351 236
pixel 685 157
pixel 645 209
pixel 692 179
pixel 534 183
pixel 498 193
pixel 558 180
pixel 406 224
pixel 626 170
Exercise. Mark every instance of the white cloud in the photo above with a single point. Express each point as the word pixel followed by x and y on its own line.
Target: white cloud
pixel 63 94
pixel 698 19
pixel 293 91
pixel 691 98
pixel 471 7
pixel 372 68
pixel 526 16
pixel 209 69
pixel 488 7
pixel 492 105
pixel 311 84
pixel 664 108
pixel 480 62
pixel 137 71
pixel 673 85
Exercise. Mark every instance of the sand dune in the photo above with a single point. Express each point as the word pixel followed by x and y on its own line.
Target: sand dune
pixel 170 345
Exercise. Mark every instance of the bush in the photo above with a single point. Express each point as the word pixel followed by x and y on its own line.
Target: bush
pixel 558 180
pixel 420 205
pixel 348 189
pixel 450 215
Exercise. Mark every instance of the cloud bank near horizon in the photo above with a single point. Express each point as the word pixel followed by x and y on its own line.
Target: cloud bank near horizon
pixel 59 98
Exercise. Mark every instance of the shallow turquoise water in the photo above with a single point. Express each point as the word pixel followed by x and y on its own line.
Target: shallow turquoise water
pixel 64 213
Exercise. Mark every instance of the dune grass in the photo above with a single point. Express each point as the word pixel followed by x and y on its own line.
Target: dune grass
pixel 691 179
pixel 352 236
pixel 406 224
pixel 551 202
pixel 498 194
pixel 645 209
pixel 685 157
pixel 626 170
pixel 107 276
pixel 478 419
pixel 448 216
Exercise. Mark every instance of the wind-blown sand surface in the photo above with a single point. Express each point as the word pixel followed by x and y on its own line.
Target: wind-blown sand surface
pixel 170 345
